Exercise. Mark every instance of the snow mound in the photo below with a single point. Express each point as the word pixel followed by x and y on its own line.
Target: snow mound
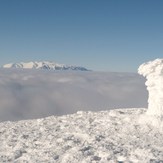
pixel 43 65
pixel 86 137
pixel 153 71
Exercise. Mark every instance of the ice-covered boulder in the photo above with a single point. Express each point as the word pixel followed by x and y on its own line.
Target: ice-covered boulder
pixel 153 71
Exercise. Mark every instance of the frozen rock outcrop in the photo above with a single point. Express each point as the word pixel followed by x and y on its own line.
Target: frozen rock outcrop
pixel 153 71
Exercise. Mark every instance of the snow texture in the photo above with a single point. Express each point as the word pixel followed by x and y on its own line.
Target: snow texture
pixel 43 65
pixel 114 136
pixel 153 71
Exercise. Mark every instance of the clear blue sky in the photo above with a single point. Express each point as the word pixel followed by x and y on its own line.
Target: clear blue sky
pixel 105 35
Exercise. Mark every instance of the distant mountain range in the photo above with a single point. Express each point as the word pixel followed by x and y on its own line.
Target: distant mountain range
pixel 45 65
pixel 106 136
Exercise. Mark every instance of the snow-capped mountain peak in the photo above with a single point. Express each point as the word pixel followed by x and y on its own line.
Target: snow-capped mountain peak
pixel 46 65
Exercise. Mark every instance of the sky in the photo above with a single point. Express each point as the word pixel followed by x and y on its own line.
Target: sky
pixel 102 35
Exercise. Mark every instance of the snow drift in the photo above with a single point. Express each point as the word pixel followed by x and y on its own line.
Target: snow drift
pixel 86 137
pixel 153 71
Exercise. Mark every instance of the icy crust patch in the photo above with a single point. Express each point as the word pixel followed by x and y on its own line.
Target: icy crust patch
pixel 85 137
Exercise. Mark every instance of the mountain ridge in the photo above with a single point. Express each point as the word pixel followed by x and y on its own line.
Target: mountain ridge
pixel 87 137
pixel 45 65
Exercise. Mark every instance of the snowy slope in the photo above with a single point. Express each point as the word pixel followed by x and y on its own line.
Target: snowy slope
pixel 85 137
pixel 43 65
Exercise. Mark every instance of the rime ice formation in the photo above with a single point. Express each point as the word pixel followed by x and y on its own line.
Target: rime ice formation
pixel 153 71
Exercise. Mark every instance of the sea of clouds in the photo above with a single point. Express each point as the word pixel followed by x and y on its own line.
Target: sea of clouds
pixel 29 94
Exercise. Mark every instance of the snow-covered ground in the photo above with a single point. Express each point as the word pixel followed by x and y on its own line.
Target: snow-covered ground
pixel 30 94
pixel 85 137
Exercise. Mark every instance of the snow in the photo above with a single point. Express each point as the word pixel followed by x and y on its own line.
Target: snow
pixel 46 65
pixel 153 71
pixel 86 137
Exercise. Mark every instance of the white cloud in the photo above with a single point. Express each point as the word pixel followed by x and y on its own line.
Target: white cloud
pixel 26 94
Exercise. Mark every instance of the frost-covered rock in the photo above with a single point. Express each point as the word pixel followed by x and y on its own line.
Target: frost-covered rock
pixel 153 71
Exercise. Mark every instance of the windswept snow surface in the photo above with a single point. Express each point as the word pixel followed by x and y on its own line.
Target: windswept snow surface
pixel 85 137
pixel 31 94
pixel 46 65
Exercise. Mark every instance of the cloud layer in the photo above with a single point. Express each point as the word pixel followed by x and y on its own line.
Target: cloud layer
pixel 28 94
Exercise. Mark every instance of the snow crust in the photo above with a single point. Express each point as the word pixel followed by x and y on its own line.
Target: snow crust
pixel 153 71
pixel 85 137
pixel 43 65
